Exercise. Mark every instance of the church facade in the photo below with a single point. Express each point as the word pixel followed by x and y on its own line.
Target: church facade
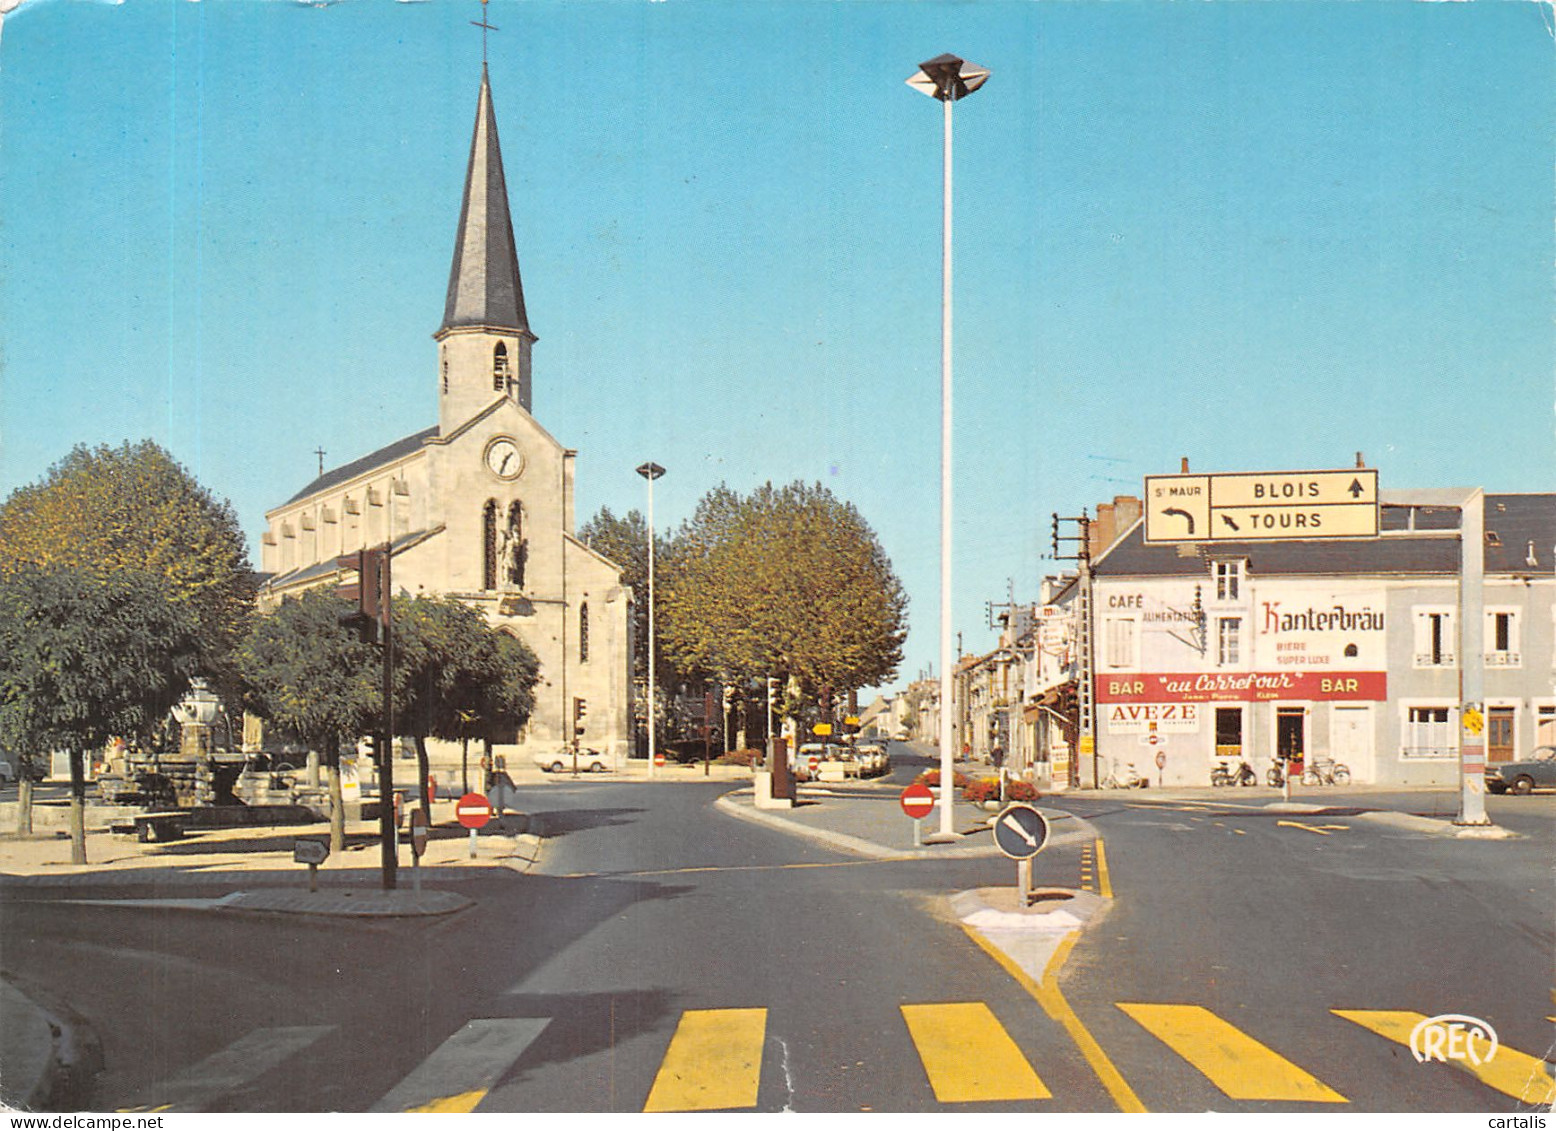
pixel 479 506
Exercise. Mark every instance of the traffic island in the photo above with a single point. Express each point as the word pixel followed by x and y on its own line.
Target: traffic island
pixel 1027 935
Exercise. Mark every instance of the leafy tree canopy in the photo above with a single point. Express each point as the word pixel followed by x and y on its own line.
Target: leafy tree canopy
pixel 86 655
pixel 134 508
pixel 457 676
pixel 787 581
pixel 303 669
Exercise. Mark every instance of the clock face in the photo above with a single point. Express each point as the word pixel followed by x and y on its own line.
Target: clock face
pixel 504 459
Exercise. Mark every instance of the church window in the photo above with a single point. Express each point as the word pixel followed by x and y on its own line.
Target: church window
pixel 583 633
pixel 445 372
pixel 489 545
pixel 500 367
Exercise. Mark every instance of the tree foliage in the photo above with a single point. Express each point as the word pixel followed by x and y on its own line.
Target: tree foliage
pixel 788 581
pixel 86 655
pixel 134 508
pixel 303 669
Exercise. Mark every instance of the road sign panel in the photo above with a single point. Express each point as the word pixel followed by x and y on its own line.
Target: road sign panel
pixel 473 810
pixel 310 852
pixel 1020 831
pixel 917 800
pixel 822 729
pixel 418 831
pixel 1261 506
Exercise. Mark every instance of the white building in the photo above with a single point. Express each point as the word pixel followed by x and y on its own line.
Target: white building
pixel 479 506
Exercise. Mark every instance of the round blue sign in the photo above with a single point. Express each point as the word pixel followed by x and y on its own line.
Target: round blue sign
pixel 1020 831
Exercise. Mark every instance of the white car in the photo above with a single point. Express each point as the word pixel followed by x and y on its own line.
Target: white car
pixel 7 772
pixel 589 761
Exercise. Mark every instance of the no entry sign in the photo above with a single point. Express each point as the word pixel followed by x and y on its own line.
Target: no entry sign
pixel 473 810
pixel 917 800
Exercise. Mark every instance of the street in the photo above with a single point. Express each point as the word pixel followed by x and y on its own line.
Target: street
pixel 664 956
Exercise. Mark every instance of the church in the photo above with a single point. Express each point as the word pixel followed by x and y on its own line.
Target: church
pixel 479 506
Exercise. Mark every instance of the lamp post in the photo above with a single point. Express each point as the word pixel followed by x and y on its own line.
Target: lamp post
pixel 948 79
pixel 651 471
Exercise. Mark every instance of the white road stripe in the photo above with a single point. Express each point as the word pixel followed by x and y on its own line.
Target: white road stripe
pixel 247 1058
pixel 467 1064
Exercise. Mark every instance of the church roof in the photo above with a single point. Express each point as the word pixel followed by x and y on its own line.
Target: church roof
pixel 483 284
pixel 348 471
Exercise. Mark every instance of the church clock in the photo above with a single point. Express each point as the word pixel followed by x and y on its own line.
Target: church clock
pixel 503 458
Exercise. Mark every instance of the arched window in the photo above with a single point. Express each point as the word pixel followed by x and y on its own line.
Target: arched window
pixel 583 633
pixel 445 372
pixel 489 545
pixel 515 549
pixel 500 367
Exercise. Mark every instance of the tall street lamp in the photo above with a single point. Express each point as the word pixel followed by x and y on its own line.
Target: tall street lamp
pixel 949 79
pixel 651 471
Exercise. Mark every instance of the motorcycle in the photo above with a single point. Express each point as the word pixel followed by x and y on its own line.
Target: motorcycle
pixel 1276 775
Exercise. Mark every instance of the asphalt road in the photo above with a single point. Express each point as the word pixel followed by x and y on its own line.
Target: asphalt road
pixel 1272 921
pixel 668 956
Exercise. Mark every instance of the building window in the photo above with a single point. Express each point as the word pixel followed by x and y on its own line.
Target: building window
pixel 489 545
pixel 1229 576
pixel 445 372
pixel 1434 638
pixel 1502 639
pixel 583 633
pixel 500 367
pixel 1429 733
pixel 1120 640
pixel 1229 633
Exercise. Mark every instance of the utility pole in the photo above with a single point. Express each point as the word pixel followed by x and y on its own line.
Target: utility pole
pixel 1086 731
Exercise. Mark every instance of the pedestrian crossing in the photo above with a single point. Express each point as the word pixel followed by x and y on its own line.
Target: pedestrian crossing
pixel 713 1060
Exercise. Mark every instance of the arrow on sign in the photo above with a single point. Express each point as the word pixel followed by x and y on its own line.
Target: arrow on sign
pixel 1015 826
pixel 1355 488
pixel 1184 514
pixel 1226 518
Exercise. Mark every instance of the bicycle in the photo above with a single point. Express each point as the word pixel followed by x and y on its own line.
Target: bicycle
pixel 1326 772
pixel 1129 780
pixel 1243 775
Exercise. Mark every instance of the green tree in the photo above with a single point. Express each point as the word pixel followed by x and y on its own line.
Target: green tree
pixel 86 655
pixel 788 582
pixel 304 670
pixel 134 508
pixel 457 677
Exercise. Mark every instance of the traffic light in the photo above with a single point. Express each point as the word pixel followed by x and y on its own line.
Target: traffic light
pixel 772 694
pixel 1056 533
pixel 367 590
pixel 580 710
pixel 368 748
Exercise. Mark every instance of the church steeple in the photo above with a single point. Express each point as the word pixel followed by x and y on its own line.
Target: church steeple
pixel 485 336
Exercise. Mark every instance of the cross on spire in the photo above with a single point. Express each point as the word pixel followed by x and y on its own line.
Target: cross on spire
pixel 320 453
pixel 485 27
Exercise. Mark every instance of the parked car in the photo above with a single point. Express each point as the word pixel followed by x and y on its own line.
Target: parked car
pixel 589 761
pixel 1538 771
pixel 10 771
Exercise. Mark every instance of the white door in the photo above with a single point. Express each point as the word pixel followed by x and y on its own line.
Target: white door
pixel 1350 741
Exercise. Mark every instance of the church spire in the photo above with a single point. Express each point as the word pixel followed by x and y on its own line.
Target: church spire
pixel 483 285
pixel 485 333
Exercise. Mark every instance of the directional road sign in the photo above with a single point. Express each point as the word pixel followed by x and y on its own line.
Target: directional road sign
pixel 1261 506
pixel 1020 831
pixel 917 800
pixel 313 852
pixel 473 810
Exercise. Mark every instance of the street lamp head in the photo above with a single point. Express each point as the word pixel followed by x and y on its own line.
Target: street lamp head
pixel 948 78
pixel 650 471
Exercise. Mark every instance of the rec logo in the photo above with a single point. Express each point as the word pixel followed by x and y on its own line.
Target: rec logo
pixel 1453 1036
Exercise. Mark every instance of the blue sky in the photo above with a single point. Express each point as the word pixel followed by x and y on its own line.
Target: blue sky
pixel 1257 235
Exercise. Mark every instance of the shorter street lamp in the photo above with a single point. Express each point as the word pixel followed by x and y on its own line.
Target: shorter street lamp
pixel 651 471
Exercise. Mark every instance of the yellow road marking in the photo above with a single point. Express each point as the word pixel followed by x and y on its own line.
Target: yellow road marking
pixel 714 1062
pixel 1321 830
pixel 1106 888
pixel 1239 832
pixel 968 1055
pixel 1233 1061
pixel 1053 1003
pixel 1510 1072
pixel 458 1105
